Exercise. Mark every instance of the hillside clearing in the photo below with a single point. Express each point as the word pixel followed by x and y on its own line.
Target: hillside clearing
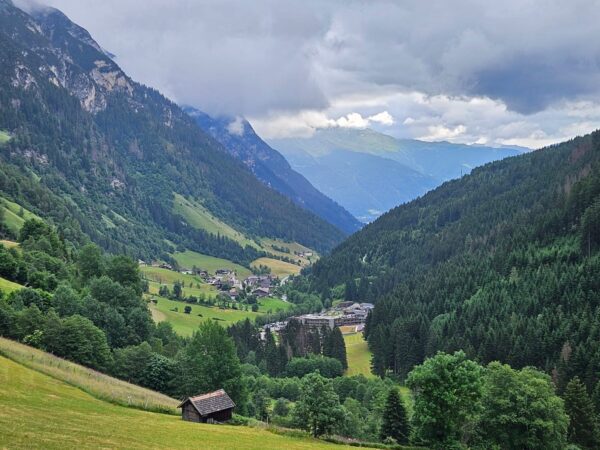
pixel 358 354
pixel 9 244
pixel 199 217
pixel 4 137
pixel 95 383
pixel 42 412
pixel 14 215
pixel 279 268
pixel 189 259
pixel 185 324
pixel 7 286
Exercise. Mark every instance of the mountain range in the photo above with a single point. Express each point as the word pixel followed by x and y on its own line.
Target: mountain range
pixel 104 157
pixel 369 172
pixel 502 263
pixel 240 139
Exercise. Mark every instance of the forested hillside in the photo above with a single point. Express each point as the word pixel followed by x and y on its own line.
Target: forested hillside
pixel 502 263
pixel 240 139
pixel 100 155
pixel 369 172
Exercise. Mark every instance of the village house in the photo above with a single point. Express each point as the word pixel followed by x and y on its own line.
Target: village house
pixel 260 292
pixel 262 281
pixel 212 407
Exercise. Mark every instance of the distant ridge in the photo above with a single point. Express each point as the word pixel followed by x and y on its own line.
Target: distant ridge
pixel 240 139
pixel 369 172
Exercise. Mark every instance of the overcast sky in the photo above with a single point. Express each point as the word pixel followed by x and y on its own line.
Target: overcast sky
pixel 521 72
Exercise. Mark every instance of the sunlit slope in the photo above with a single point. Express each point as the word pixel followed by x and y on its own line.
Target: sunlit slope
pixel 42 412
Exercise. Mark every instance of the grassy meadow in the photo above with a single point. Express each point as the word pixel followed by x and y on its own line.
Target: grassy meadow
pixel 185 324
pixel 8 244
pixel 188 259
pixel 4 137
pixel 193 285
pixel 279 268
pixel 39 411
pixel 94 383
pixel 7 286
pixel 358 354
pixel 199 217
pixel 12 215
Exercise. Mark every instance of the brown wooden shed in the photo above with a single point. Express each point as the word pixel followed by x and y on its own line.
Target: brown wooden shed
pixel 210 407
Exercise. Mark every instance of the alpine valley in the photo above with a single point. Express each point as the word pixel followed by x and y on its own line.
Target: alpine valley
pixel 169 280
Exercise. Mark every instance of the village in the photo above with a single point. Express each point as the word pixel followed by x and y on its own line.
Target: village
pixel 352 316
pixel 225 281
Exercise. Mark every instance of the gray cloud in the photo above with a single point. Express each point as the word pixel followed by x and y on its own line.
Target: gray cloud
pixel 268 58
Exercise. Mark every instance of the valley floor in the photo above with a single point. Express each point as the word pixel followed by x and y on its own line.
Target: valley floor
pixel 38 411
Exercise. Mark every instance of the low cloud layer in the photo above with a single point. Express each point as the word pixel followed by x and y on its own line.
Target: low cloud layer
pixel 466 70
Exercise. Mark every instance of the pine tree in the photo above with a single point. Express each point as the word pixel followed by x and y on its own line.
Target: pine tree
pixel 350 292
pixel 579 407
pixel 395 419
pixel 335 347
pixel 596 399
pixel 272 359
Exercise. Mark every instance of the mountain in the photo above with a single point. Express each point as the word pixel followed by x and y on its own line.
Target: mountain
pixel 502 263
pixel 104 157
pixel 240 139
pixel 436 162
pixel 367 184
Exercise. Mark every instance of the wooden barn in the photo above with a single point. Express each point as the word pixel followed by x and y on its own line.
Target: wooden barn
pixel 207 408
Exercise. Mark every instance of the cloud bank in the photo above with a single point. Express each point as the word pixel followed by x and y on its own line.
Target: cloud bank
pixel 526 70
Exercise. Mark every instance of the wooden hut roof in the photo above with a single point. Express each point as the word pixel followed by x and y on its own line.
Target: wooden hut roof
pixel 210 402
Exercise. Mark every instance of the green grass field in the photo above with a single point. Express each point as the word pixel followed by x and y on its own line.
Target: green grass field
pixel 94 383
pixel 188 259
pixel 157 276
pixel 4 137
pixel 39 411
pixel 199 217
pixel 12 218
pixel 358 354
pixel 186 324
pixel 9 244
pixel 272 304
pixel 7 286
pixel 279 268
pixel 269 244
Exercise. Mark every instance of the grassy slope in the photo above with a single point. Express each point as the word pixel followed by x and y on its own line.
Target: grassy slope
pixel 7 286
pixel 42 412
pixel 11 215
pixel 4 137
pixel 157 276
pixel 95 383
pixel 279 268
pixel 188 259
pixel 358 354
pixel 8 244
pixel 186 324
pixel 199 217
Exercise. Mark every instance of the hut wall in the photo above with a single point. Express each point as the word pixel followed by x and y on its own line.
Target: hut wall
pixel 188 412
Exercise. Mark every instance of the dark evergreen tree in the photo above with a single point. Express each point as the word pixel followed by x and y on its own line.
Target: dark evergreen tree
pixel 272 355
pixel 579 407
pixel 350 292
pixel 395 419
pixel 335 347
